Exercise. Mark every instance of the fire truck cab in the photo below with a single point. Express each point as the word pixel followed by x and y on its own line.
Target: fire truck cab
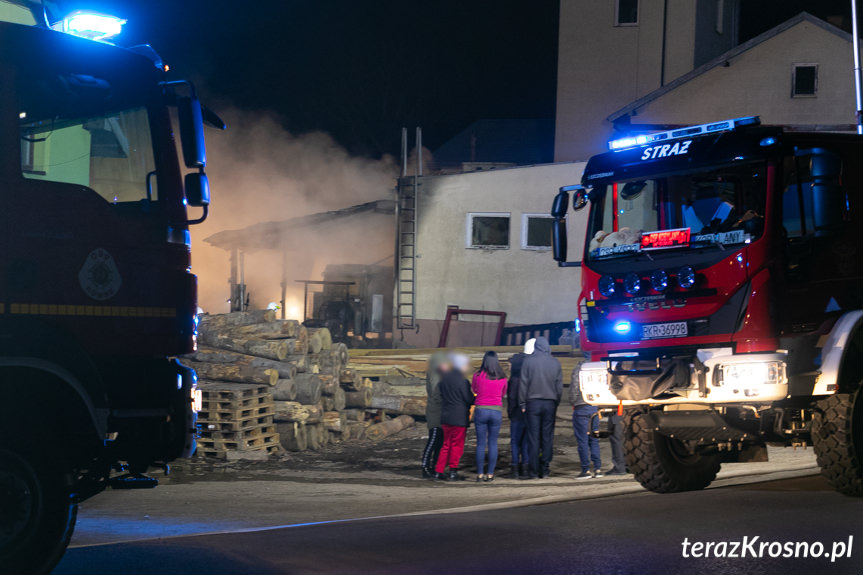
pixel 722 297
pixel 96 289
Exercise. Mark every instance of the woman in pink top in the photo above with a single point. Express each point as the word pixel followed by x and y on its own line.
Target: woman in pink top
pixel 489 385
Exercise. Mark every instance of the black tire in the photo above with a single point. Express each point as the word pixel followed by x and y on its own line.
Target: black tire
pixel 37 514
pixel 663 464
pixel 837 437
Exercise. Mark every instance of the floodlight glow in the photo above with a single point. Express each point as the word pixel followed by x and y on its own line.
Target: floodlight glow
pixel 92 26
pixel 622 327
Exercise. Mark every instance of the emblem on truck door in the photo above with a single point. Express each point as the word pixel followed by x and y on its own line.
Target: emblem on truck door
pixel 99 277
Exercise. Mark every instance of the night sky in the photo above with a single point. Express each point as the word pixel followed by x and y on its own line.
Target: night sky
pixel 360 70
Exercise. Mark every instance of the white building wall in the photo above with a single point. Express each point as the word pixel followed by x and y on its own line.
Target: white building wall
pixel 526 284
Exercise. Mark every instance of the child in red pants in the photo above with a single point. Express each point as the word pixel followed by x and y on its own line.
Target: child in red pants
pixel 456 399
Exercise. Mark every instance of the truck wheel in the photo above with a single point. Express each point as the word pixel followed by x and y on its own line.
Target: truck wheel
pixel 663 464
pixel 837 436
pixel 37 514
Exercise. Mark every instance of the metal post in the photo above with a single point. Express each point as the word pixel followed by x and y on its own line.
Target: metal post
pixel 284 281
pixel 242 281
pixel 856 42
pixel 235 291
pixel 404 152
pixel 419 151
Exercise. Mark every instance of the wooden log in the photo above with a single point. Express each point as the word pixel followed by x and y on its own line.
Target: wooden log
pixel 402 404
pixel 354 414
pixel 329 384
pixel 328 403
pixel 336 437
pixel 293 436
pixel 362 398
pixel 285 390
pixel 316 413
pixel 350 379
pixel 273 330
pixel 334 421
pixel 234 373
pixel 308 388
pixel 209 355
pixel 380 430
pixel 355 430
pixel 340 350
pixel 275 349
pixel 318 436
pixel 324 336
pixel 315 345
pixel 339 399
pixel 236 319
pixel 290 411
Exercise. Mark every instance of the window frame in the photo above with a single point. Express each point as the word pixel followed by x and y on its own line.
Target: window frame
pixel 469 230
pixel 794 68
pixel 618 23
pixel 525 223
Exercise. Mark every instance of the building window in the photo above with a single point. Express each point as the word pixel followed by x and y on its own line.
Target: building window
pixel 626 13
pixel 804 81
pixel 536 231
pixel 488 230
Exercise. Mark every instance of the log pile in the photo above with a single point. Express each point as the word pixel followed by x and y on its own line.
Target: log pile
pixel 313 398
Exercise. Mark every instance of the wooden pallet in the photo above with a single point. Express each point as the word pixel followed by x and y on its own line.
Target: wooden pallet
pixel 246 444
pixel 229 429
pixel 237 415
pixel 233 392
pixel 235 404
pixel 217 453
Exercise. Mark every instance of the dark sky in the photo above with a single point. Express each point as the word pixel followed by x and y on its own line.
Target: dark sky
pixel 361 69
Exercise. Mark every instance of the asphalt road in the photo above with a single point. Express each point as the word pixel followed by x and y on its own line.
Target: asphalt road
pixel 634 533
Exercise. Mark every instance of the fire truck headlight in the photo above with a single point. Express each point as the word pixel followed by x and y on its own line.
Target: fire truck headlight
pixel 606 286
pixel 659 280
pixel 632 283
pixel 686 277
pixel 593 383
pixel 749 376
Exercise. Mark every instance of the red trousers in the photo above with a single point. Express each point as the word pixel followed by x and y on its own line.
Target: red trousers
pixel 453 447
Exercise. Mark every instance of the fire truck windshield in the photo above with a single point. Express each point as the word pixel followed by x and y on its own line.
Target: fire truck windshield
pixel 708 209
pixel 89 131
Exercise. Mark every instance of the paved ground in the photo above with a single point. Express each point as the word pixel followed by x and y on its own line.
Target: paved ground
pixel 635 533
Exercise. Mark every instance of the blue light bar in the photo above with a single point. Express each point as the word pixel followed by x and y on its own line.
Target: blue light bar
pixel 644 139
pixel 92 25
pixel 622 327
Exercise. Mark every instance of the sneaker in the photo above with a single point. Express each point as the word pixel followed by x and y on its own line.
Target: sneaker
pixel 439 477
pixel 598 473
pixel 584 475
pixel 488 478
pixel 613 471
pixel 455 476
pixel 428 474
pixel 528 477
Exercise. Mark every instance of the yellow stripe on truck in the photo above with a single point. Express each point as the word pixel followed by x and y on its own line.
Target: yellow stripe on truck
pixel 88 310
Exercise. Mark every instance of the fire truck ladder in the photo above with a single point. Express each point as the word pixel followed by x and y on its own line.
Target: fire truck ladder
pixel 406 238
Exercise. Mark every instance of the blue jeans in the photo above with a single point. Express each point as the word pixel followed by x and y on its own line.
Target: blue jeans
pixel 588 445
pixel 518 438
pixel 487 428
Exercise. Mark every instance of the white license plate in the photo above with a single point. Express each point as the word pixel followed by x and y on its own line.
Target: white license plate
pixel 660 330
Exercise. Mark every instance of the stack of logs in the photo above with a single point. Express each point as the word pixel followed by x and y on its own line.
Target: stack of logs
pixel 317 399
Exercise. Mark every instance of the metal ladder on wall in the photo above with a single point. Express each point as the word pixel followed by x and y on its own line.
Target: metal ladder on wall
pixel 406 238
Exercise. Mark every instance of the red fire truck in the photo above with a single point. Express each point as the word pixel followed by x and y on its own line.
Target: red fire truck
pixel 96 291
pixel 722 297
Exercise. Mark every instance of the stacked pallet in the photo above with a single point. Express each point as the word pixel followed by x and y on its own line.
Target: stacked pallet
pixel 236 418
pixel 315 398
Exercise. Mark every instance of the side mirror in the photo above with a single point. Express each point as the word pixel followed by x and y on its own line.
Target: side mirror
pixel 580 199
pixel 560 205
pixel 192 131
pixel 559 240
pixel 197 190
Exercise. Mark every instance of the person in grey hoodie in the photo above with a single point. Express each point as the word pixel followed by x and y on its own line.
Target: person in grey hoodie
pixel 539 395
pixel 438 365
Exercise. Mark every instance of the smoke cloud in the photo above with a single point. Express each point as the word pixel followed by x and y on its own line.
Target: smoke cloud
pixel 259 172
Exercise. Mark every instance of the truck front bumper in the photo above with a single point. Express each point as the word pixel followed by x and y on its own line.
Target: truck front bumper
pixel 716 376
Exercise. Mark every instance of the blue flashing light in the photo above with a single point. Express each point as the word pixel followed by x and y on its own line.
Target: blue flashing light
pixel 622 327
pixel 577 325
pixel 92 25
pixel 644 139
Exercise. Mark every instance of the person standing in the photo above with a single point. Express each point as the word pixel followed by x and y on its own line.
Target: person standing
pixel 584 423
pixel 517 419
pixel 489 385
pixel 437 366
pixel 539 395
pixel 456 400
pixel 615 437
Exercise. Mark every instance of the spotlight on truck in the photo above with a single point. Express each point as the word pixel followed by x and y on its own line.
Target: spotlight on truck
pixel 91 25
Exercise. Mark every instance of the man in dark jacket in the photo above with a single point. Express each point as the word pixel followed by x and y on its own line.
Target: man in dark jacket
pixel 456 399
pixel 539 395
pixel 438 365
pixel 517 419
